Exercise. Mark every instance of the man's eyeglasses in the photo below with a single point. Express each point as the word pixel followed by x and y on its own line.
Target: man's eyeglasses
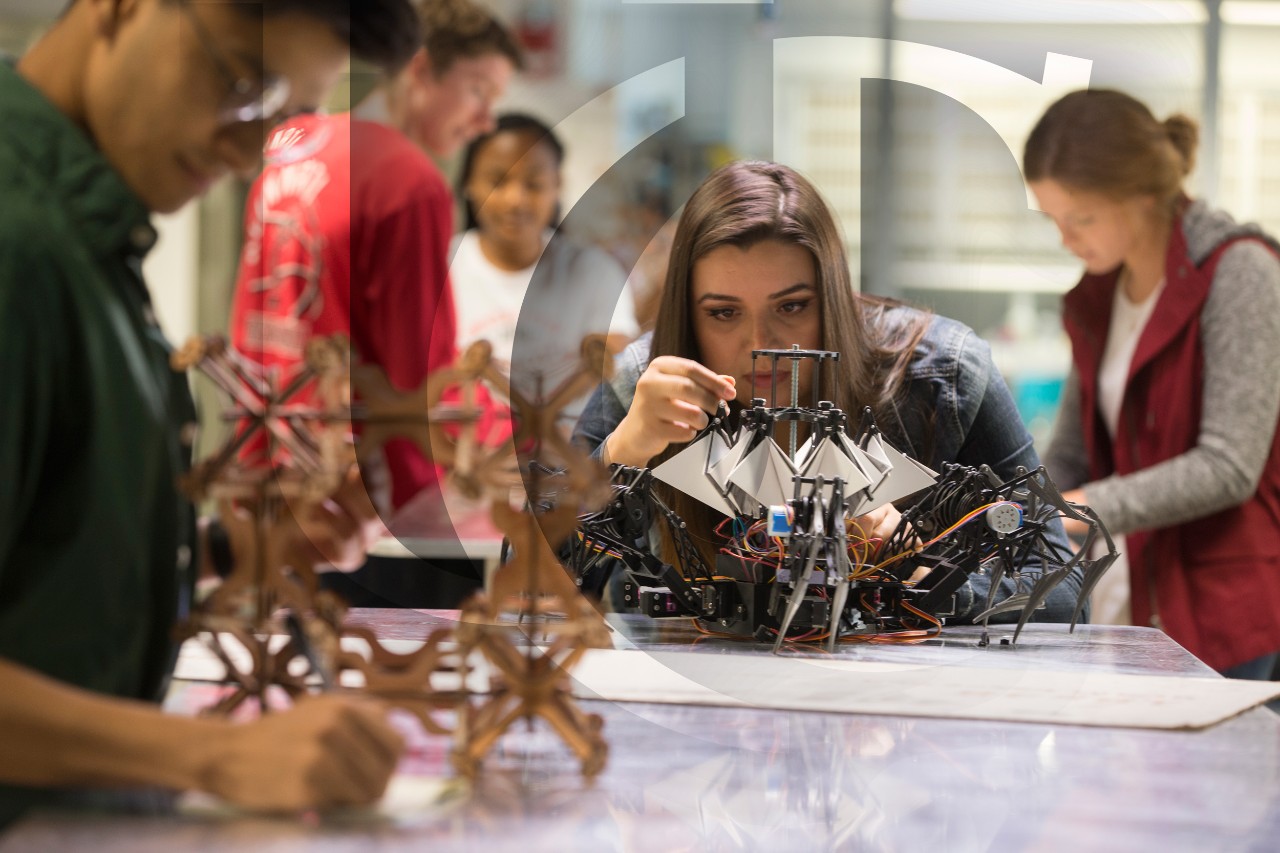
pixel 249 98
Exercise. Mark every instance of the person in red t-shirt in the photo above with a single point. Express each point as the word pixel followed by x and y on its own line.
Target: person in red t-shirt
pixel 347 229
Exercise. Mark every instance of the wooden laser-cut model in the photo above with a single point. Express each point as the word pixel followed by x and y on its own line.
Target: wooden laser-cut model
pixel 293 447
pixel 297 432
pixel 526 681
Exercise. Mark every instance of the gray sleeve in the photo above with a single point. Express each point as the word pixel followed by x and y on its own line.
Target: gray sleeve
pixel 1065 458
pixel 1240 329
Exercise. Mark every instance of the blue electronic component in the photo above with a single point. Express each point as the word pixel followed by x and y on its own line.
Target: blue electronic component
pixel 779 522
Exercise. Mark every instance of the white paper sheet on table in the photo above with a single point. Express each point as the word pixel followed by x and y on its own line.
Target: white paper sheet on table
pixel 408 800
pixel 197 663
pixel 1073 697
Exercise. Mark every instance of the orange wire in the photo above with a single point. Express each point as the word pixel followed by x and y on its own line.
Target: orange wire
pixel 711 633
pixel 963 521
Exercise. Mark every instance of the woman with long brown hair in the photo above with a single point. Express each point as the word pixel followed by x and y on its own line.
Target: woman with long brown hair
pixel 1168 423
pixel 758 263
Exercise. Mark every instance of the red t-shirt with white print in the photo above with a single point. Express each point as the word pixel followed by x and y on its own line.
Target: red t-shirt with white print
pixel 347 230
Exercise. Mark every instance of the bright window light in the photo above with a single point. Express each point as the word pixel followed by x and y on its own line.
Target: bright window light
pixel 1055 11
pixel 1251 13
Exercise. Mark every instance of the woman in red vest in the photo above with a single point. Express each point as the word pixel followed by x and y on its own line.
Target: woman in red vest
pixel 1168 421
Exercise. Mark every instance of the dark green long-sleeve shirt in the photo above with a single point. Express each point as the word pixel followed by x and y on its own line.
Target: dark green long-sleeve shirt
pixel 96 545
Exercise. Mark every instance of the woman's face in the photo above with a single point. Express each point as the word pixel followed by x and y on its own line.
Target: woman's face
pixel 1097 229
pixel 761 297
pixel 514 188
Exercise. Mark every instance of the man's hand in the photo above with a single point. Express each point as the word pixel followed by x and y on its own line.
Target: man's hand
pixel 326 751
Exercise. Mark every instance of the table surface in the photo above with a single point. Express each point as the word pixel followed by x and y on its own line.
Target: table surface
pixel 705 778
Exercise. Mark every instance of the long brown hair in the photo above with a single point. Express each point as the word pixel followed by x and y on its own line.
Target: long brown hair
pixel 1108 142
pixel 747 202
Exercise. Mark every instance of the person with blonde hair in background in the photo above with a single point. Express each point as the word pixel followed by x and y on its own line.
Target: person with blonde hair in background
pixel 1168 421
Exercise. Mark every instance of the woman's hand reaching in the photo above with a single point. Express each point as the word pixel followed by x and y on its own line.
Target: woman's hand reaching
pixel 675 398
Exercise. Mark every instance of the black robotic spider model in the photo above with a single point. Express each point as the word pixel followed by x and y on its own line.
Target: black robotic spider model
pixel 804 571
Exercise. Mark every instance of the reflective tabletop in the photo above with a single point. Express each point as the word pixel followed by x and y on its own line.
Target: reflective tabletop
pixel 709 778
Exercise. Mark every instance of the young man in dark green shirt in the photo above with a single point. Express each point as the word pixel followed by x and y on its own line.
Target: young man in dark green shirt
pixel 125 108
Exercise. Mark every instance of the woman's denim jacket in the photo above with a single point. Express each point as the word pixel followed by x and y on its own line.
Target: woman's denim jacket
pixel 954 407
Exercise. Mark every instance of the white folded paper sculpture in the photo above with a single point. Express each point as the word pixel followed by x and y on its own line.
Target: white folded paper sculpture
pixel 743 474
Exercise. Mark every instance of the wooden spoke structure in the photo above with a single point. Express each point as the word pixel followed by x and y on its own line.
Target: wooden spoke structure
pixel 293 446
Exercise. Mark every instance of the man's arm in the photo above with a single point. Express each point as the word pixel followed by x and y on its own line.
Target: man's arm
pixel 327 751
